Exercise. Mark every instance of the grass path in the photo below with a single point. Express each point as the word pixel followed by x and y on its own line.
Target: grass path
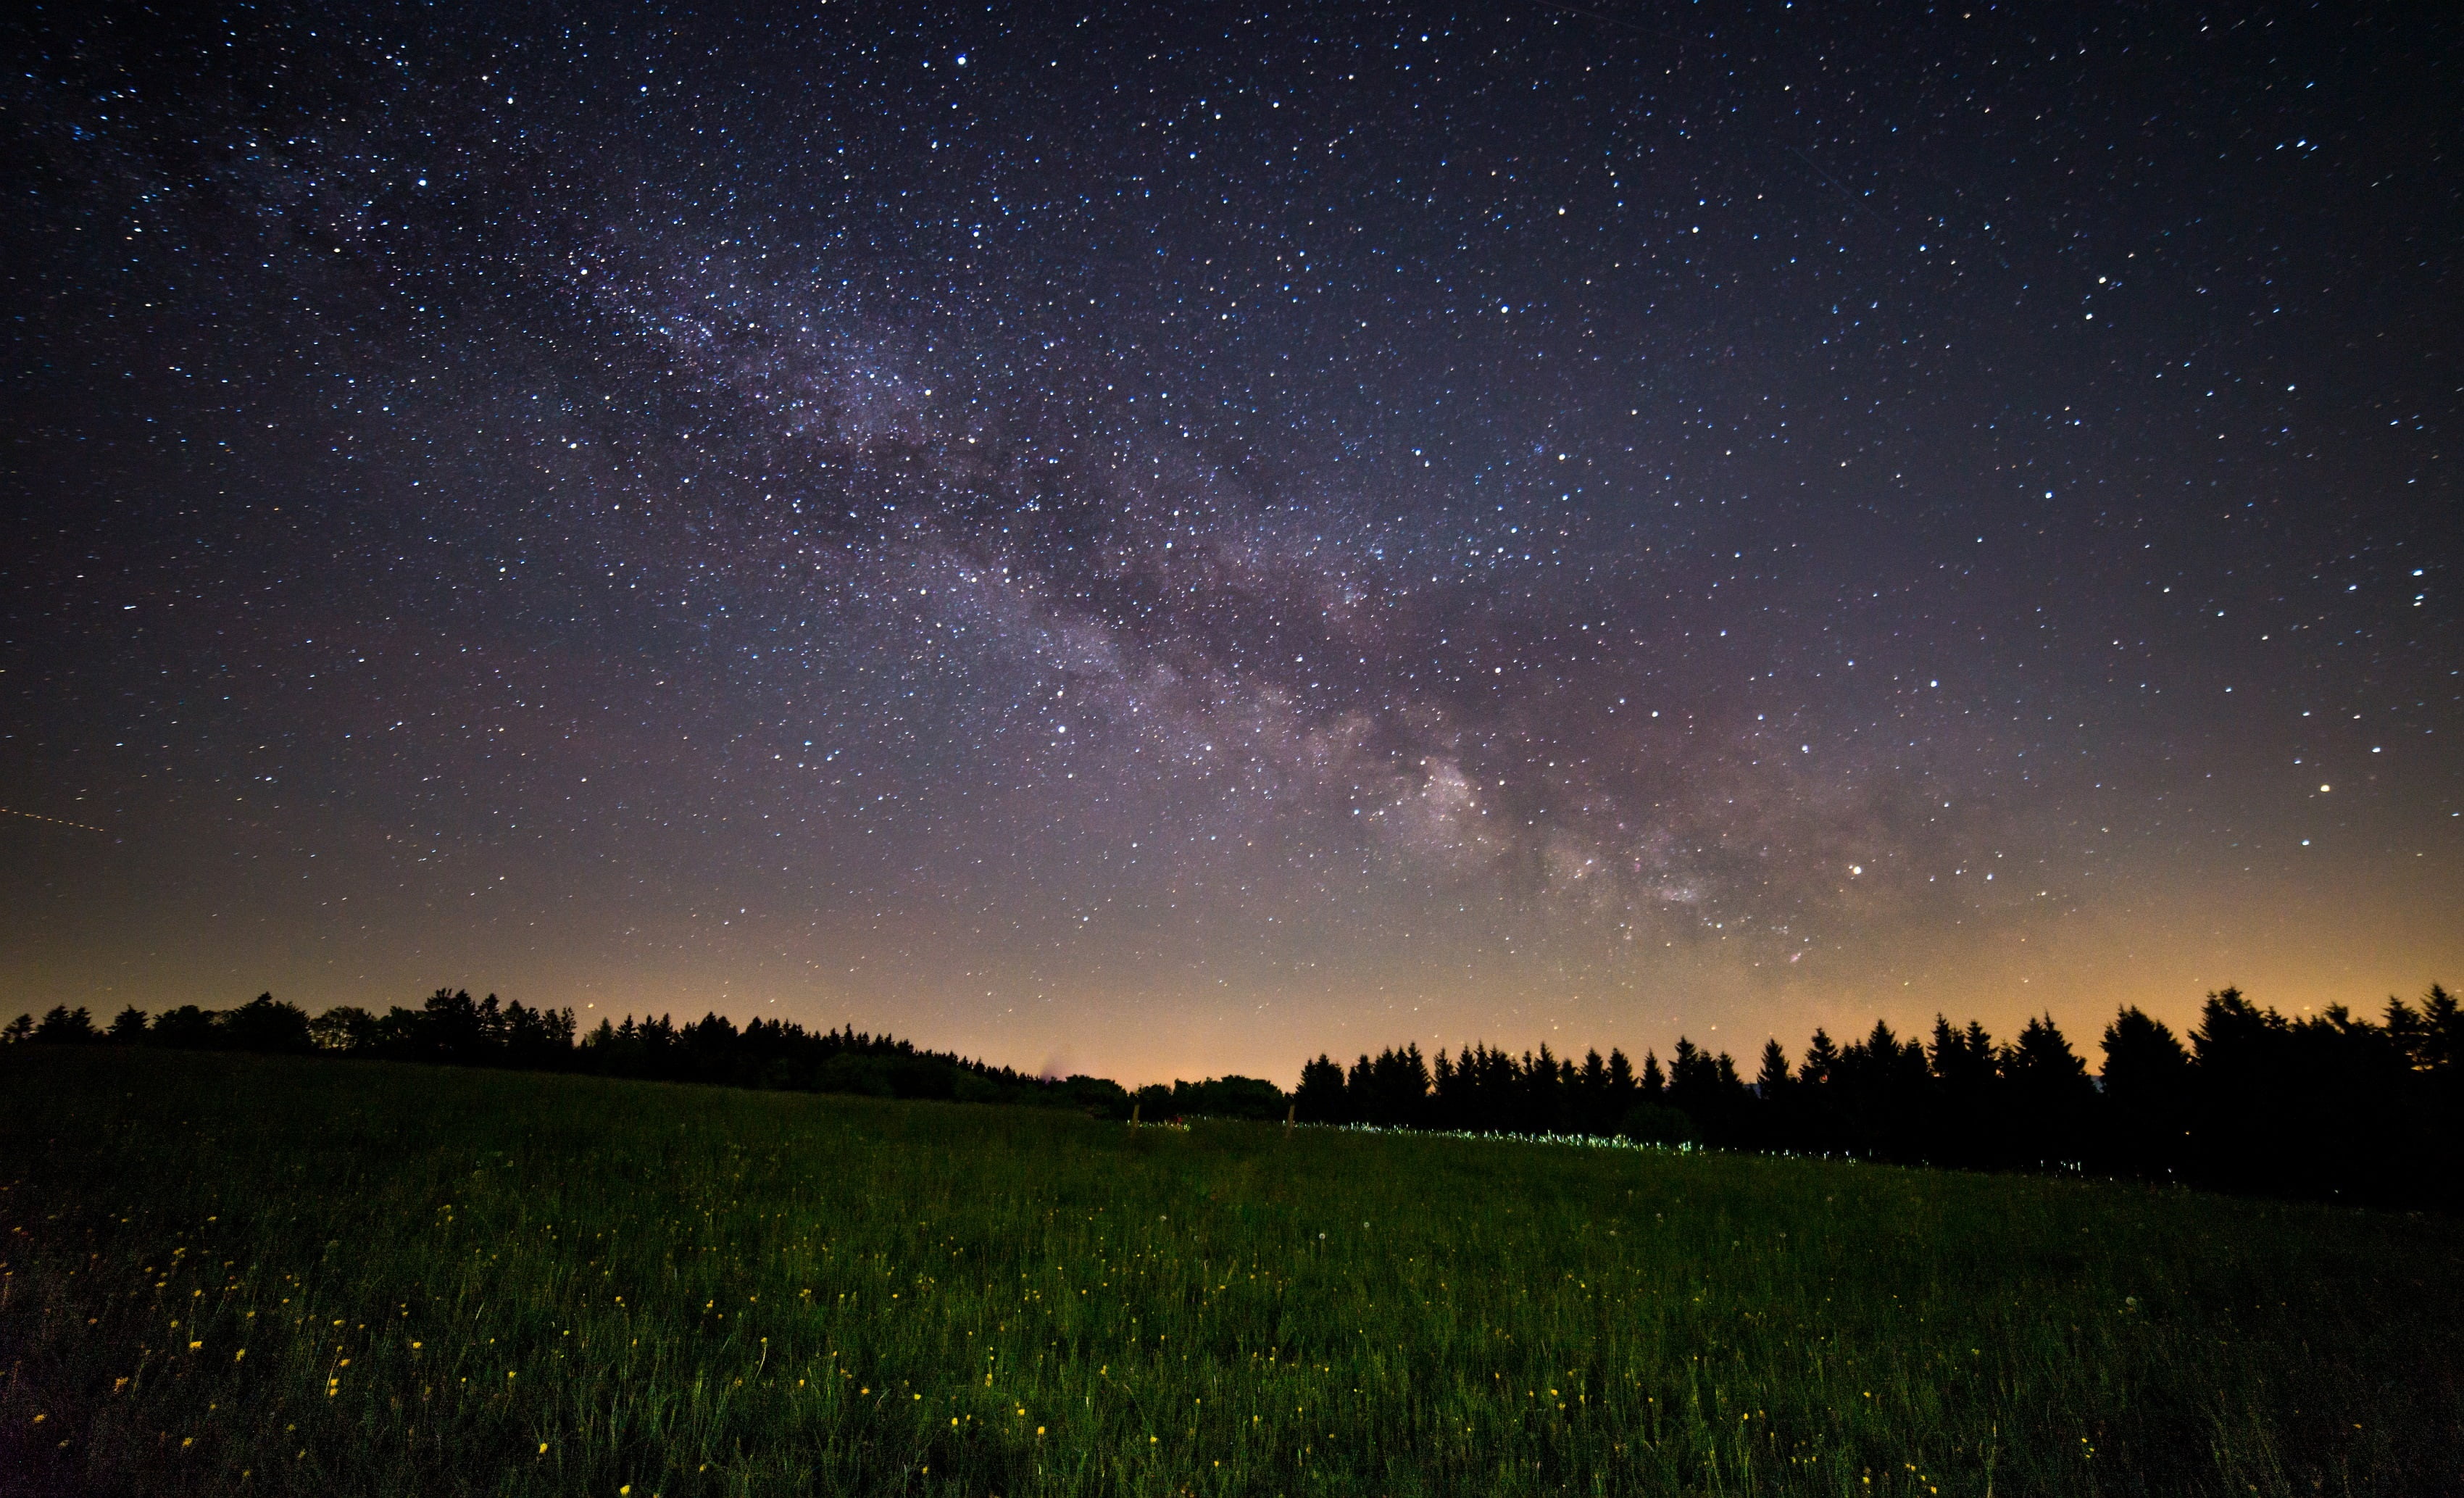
pixel 232 1274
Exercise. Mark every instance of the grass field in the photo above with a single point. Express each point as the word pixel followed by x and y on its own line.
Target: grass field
pixel 231 1275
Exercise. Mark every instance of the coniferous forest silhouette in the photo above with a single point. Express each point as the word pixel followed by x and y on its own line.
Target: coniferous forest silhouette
pixel 2332 1106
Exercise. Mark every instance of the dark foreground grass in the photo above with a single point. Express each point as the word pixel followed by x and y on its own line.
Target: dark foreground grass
pixel 227 1274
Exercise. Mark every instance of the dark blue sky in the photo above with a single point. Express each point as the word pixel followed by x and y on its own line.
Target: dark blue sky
pixel 1168 539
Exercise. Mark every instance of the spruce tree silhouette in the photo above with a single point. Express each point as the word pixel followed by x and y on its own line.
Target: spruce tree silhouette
pixel 1776 1088
pixel 2050 1095
pixel 2245 1081
pixel 1319 1097
pixel 2148 1097
pixel 63 1025
pixel 1966 1123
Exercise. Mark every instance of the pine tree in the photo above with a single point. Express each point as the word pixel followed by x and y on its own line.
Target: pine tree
pixel 2049 1094
pixel 2143 1064
pixel 1821 1060
pixel 1320 1097
pixel 1773 1080
pixel 2442 1044
pixel 66 1026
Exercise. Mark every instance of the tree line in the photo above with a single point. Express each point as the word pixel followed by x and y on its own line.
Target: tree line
pixel 454 1028
pixel 2331 1106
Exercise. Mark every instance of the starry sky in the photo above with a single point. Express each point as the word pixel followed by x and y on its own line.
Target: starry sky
pixel 1159 540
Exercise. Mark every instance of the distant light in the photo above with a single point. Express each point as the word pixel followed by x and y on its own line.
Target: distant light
pixel 2323 790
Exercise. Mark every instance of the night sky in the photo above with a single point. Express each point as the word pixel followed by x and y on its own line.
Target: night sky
pixel 1161 540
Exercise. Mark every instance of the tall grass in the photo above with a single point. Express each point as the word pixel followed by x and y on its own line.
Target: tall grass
pixel 225 1274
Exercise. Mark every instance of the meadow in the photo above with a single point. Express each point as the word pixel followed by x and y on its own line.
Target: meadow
pixel 245 1274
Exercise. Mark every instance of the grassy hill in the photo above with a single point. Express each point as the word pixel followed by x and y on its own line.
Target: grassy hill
pixel 264 1276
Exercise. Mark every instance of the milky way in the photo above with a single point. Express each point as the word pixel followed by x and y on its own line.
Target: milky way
pixel 1168 539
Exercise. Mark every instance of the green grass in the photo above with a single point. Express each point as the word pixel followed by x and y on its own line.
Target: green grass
pixel 467 1282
